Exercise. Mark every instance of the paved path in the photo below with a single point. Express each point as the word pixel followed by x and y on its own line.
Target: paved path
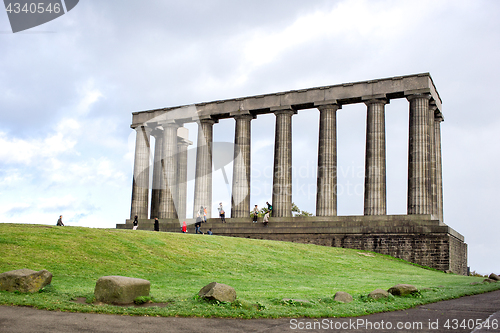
pixel 426 318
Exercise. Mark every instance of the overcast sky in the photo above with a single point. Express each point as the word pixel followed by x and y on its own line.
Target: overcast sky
pixel 68 88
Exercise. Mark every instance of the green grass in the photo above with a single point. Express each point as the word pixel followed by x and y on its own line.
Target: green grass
pixel 179 265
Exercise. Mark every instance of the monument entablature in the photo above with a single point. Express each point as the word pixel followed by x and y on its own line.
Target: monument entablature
pixel 341 94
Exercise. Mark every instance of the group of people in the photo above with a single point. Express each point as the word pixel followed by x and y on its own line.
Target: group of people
pixel 136 224
pixel 201 217
pixel 268 212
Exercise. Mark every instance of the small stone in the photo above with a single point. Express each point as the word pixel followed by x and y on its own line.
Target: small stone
pixel 25 280
pixel 378 294
pixel 341 296
pixel 495 277
pixel 402 289
pixel 120 289
pixel 475 283
pixel 219 292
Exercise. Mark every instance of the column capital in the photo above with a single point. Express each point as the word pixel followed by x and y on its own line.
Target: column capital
pixel 329 105
pixel 376 101
pixel 209 121
pixel 290 112
pixel 418 95
pixel 145 127
pixel 157 131
pixel 438 117
pixel 183 142
pixel 242 114
pixel 168 123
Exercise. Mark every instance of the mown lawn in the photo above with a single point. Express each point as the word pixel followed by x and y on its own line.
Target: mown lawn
pixel 179 265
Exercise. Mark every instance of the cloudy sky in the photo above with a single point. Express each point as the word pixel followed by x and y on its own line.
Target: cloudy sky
pixel 68 88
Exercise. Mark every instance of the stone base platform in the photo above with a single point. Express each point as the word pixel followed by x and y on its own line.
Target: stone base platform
pixel 420 239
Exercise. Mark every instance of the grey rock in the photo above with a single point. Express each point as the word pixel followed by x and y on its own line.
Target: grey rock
pixel 25 280
pixel 341 296
pixel 219 292
pixel 475 283
pixel 489 281
pixel 402 289
pixel 495 277
pixel 378 294
pixel 120 289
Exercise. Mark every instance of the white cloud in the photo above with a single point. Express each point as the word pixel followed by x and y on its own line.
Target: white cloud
pixel 89 95
pixel 30 151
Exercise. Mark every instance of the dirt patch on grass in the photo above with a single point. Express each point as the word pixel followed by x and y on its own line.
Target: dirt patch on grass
pixel 82 300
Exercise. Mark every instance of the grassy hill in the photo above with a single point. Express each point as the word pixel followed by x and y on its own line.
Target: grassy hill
pixel 179 265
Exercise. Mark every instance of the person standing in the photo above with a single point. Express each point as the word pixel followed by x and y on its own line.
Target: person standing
pixel 60 222
pixel 222 214
pixel 157 224
pixel 184 228
pixel 255 213
pixel 197 226
pixel 136 222
pixel 205 215
pixel 269 207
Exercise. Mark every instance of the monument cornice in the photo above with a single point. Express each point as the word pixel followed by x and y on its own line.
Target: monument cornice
pixel 345 93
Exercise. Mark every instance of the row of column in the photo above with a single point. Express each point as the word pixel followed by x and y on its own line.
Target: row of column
pixel 168 196
pixel 168 200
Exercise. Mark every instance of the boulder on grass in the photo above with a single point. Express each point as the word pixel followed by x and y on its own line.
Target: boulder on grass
pixel 489 281
pixel 343 297
pixel 25 280
pixel 402 289
pixel 378 294
pixel 495 277
pixel 120 289
pixel 218 292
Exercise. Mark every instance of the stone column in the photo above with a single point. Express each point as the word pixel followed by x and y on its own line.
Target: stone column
pixel 140 184
pixel 375 161
pixel 419 185
pixel 432 164
pixel 439 166
pixel 169 171
pixel 240 199
pixel 326 197
pixel 157 173
pixel 203 181
pixel 282 176
pixel 182 154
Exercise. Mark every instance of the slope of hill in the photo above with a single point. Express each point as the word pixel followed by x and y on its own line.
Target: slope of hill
pixel 179 265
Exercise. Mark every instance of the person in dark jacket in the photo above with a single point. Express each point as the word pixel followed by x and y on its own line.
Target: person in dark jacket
pixel 136 222
pixel 60 222
pixel 157 224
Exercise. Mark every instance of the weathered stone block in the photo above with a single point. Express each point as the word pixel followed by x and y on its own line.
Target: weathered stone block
pixel 25 280
pixel 341 296
pixel 495 277
pixel 120 289
pixel 402 289
pixel 219 292
pixel 378 294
